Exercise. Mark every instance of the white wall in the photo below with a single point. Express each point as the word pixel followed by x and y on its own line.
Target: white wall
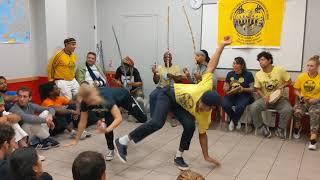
pixel 50 25
pixel 109 13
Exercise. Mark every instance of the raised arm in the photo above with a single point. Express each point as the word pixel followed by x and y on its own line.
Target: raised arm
pixel 213 63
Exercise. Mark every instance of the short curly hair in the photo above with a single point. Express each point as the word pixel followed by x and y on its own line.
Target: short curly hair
pixel 266 55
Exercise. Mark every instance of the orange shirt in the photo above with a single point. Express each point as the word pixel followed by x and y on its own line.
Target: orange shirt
pixel 59 101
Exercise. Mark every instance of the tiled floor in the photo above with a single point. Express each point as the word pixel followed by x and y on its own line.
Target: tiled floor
pixel 243 157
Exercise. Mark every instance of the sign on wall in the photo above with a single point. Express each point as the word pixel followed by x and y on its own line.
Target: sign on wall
pixel 14 21
pixel 251 23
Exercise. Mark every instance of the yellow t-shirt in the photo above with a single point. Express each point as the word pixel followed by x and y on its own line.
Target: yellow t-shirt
pixel 309 87
pixel 187 96
pixel 62 66
pixel 269 82
pixel 163 71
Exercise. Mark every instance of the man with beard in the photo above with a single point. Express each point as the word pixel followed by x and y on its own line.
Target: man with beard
pixel 9 97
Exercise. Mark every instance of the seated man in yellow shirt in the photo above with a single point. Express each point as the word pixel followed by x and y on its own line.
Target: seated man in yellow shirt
pixel 269 79
pixel 307 89
pixel 189 103
pixel 62 69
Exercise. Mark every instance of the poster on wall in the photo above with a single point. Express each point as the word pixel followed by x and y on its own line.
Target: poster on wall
pixel 14 21
pixel 251 23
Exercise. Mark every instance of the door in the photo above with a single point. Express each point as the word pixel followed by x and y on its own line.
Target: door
pixel 139 41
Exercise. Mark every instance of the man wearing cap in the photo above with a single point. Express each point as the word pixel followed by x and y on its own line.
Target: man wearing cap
pixel 62 69
pixel 189 103
pixel 91 72
pixel 128 76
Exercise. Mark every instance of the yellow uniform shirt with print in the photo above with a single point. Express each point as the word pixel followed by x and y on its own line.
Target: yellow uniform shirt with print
pixel 187 95
pixel 309 87
pixel 62 66
pixel 163 71
pixel 269 82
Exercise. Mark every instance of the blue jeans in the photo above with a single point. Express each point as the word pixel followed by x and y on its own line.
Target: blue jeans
pixel 165 102
pixel 240 102
pixel 153 99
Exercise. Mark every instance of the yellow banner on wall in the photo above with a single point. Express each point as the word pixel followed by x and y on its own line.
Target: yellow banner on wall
pixel 251 23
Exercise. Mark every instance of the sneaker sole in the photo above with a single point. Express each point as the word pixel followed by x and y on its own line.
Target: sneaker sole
pixel 182 168
pixel 117 152
pixel 108 159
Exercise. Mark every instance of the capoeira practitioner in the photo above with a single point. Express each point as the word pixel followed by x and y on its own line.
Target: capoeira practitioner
pixel 188 102
pixel 105 102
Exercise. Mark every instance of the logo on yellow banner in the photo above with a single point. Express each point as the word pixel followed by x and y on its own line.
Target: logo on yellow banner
pixel 251 22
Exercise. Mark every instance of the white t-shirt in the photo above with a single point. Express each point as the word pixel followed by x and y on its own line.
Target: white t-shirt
pixel 94 69
pixel 19 132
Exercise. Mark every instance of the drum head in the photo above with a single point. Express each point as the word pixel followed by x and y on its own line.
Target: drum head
pixel 275 96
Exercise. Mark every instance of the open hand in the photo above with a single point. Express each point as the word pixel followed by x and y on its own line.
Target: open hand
pixel 186 71
pixel 214 161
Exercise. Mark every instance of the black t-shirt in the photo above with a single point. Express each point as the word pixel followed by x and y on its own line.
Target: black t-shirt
pixel 134 77
pixel 244 79
pixel 4 170
pixel 112 96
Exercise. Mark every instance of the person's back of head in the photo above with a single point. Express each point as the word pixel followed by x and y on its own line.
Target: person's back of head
pixel 7 141
pixel 89 165
pixel 25 164
pixel 190 175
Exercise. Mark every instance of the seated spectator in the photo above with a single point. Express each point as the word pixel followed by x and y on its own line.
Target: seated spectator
pixel 269 79
pixel 9 97
pixel 26 165
pixel 89 165
pixel 7 145
pixel 202 58
pixel 242 80
pixel 190 175
pixel 128 76
pixel 13 120
pixel 66 111
pixel 307 89
pixel 37 127
pixel 91 72
pixel 164 76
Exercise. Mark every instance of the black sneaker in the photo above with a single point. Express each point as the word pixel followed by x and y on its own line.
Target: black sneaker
pixel 121 150
pixel 179 161
pixel 52 142
pixel 41 146
pixel 280 133
pixel 265 131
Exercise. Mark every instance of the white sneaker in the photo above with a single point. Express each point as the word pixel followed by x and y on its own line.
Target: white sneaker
pixel 110 155
pixel 73 134
pixel 85 134
pixel 238 127
pixel 231 126
pixel 296 134
pixel 312 146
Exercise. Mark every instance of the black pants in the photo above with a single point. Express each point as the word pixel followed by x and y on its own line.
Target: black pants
pixel 132 107
pixel 165 102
